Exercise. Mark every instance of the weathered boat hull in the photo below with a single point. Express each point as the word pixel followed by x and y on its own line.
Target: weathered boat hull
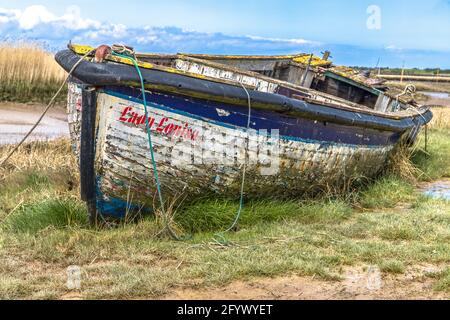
pixel 298 142
pixel 198 155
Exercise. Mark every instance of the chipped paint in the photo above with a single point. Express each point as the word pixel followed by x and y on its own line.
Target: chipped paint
pixel 74 115
pixel 222 113
pixel 207 165
pixel 253 82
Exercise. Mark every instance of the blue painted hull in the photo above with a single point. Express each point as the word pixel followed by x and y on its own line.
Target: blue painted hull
pixel 313 153
pixel 290 127
pixel 297 143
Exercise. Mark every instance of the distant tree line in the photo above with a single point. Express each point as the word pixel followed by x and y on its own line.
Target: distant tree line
pixel 410 71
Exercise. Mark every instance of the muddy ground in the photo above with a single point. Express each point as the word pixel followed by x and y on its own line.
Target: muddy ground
pixel 16 119
pixel 361 283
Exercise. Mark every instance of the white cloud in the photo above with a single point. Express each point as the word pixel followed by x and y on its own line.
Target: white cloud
pixel 294 41
pixel 37 23
pixel 7 15
pixel 72 20
pixel 393 47
pixel 34 15
pixel 38 15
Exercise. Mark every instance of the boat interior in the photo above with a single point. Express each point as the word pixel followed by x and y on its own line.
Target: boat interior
pixel 292 76
pixel 302 76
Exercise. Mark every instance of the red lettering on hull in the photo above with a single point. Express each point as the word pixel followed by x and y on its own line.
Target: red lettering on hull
pixel 165 126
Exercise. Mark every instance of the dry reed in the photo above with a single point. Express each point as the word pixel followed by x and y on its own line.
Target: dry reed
pixel 37 156
pixel 28 63
pixel 401 165
pixel 441 118
pixel 400 162
pixel 27 73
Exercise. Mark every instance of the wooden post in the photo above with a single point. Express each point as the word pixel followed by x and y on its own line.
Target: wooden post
pixel 379 65
pixel 307 69
pixel 403 72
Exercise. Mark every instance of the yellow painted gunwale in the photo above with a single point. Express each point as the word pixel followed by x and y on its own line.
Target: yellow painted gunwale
pixel 83 49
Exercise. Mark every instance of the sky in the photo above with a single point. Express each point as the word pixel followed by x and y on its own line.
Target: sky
pixel 415 33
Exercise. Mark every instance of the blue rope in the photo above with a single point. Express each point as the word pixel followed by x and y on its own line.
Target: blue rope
pixel 220 235
pixel 155 169
pixel 150 144
pixel 147 127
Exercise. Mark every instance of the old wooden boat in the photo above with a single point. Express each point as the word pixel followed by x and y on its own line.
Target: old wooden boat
pixel 296 123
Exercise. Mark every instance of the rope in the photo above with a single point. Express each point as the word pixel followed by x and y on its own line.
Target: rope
pixel 410 89
pixel 426 126
pixel 124 50
pixel 244 171
pixel 126 53
pixel 130 56
pixel 50 104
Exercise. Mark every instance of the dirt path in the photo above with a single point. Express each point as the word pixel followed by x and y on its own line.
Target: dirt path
pixel 357 284
pixel 16 119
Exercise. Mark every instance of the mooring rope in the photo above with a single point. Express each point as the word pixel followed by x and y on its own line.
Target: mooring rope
pixel 220 235
pixel 410 89
pixel 426 126
pixel 50 104
pixel 129 54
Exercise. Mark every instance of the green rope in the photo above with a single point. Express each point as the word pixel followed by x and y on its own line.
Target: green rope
pixel 150 144
pixel 220 237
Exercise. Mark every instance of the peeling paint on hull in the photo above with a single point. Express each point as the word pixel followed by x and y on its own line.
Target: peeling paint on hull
pixel 193 166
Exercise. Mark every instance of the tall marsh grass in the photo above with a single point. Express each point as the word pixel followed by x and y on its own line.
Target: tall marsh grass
pixel 28 73
pixel 38 171
pixel 416 163
pixel 441 118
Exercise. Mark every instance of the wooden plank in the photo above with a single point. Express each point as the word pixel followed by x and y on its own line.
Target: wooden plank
pixel 351 82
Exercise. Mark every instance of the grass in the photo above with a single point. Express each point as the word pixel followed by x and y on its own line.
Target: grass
pixel 443 280
pixel 56 213
pixel 44 230
pixel 393 266
pixel 435 163
pixel 28 73
pixel 375 197
pixel 217 215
